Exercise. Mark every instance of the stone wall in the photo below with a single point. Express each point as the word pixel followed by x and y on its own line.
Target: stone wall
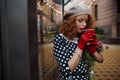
pixel 107 16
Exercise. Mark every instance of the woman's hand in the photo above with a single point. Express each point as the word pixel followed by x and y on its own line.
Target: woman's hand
pixel 91 46
pixel 86 37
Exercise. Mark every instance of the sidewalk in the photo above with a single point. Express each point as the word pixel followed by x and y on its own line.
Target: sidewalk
pixel 110 68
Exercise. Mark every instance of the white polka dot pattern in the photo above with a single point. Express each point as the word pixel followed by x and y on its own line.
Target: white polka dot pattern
pixel 63 51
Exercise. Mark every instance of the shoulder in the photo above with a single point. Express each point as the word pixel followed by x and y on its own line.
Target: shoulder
pixel 59 38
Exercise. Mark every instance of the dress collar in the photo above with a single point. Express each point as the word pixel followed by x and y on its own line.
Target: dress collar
pixel 75 40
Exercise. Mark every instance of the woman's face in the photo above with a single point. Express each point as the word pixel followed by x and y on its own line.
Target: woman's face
pixel 81 22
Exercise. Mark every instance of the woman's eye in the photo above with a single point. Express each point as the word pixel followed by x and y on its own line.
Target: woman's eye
pixel 81 20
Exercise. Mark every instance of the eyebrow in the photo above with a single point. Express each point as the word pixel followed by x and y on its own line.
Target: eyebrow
pixel 83 19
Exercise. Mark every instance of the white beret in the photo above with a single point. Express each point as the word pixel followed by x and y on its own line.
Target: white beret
pixel 76 10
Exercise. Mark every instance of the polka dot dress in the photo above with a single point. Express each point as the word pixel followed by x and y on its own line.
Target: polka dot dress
pixel 63 51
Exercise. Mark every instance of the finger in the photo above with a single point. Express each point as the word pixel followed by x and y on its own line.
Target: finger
pixel 92 43
pixel 88 44
pixel 92 40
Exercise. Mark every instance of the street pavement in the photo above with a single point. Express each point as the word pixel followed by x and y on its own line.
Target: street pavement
pixel 110 68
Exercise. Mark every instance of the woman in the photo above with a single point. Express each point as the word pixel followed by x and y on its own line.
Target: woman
pixel 76 35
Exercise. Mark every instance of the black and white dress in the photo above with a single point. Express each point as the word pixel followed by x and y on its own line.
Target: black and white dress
pixel 63 51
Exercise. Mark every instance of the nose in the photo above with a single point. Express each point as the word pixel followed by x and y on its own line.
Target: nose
pixel 84 23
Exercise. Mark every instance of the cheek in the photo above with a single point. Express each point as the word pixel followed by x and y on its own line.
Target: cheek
pixel 80 28
pixel 79 25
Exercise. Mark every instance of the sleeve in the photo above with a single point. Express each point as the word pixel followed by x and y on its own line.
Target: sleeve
pixel 60 54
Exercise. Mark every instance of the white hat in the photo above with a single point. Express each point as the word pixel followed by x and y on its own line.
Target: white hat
pixel 76 10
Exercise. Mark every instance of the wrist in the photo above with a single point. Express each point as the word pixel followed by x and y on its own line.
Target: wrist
pixel 92 50
pixel 78 52
pixel 81 45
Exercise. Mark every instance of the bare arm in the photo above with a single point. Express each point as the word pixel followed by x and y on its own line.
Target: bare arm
pixel 98 57
pixel 84 38
pixel 73 62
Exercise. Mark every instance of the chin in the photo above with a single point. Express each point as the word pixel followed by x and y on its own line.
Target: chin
pixel 79 31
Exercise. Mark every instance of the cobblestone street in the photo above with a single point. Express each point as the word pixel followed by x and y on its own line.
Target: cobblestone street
pixel 108 70
pixel 47 63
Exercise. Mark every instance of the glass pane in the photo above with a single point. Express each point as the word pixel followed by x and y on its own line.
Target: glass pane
pixel 49 16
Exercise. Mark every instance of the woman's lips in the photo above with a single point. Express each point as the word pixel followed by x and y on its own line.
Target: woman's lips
pixel 82 28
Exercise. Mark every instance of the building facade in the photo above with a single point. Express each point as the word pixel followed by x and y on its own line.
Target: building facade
pixel 107 15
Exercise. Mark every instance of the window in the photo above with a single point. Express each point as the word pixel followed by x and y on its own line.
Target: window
pixel 96 12
pixel 118 29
